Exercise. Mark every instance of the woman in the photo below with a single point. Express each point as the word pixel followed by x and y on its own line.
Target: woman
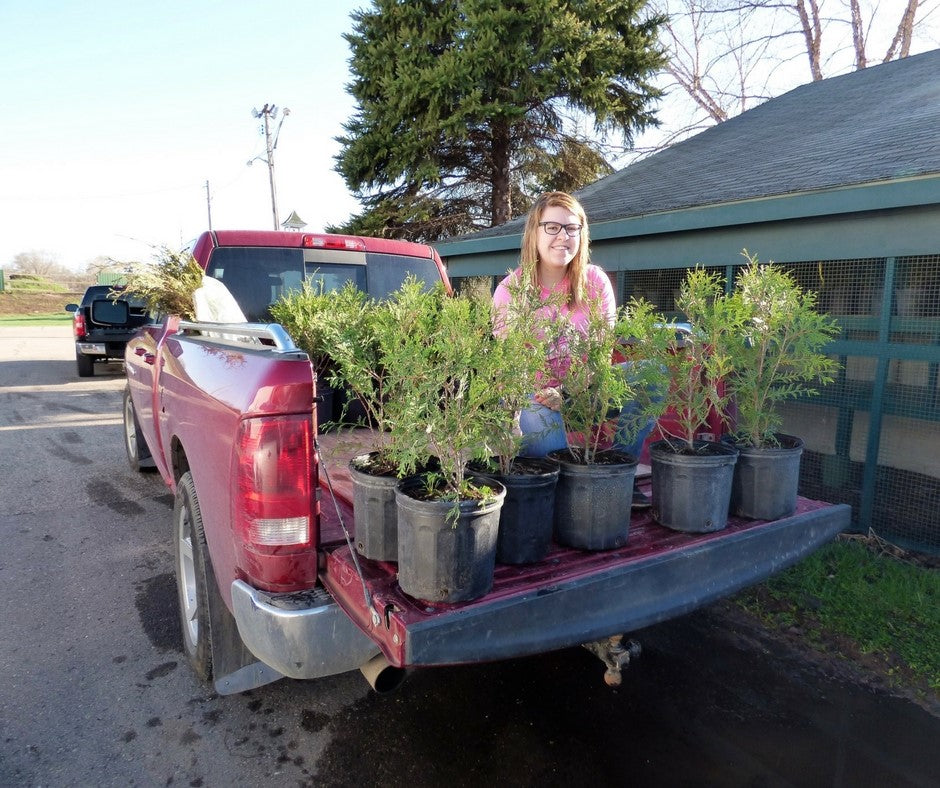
pixel 555 262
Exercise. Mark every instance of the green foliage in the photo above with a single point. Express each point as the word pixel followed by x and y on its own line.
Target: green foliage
pixel 421 218
pixel 595 389
pixel 518 356
pixel 449 383
pixel 167 285
pixel 775 336
pixel 358 332
pixel 698 362
pixel 302 314
pixel 453 99
pixel 573 164
pixel 886 606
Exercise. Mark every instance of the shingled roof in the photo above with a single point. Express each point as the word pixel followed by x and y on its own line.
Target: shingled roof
pixel 875 125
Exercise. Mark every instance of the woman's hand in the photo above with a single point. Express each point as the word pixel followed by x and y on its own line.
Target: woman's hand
pixel 550 397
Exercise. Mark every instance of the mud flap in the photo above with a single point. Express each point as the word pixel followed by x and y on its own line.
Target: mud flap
pixel 234 668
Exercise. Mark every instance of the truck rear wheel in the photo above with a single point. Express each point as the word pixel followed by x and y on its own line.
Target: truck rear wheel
pixel 138 454
pixel 193 575
pixel 85 365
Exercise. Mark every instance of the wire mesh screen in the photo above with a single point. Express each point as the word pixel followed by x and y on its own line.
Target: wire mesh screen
pixel 872 435
pixel 660 288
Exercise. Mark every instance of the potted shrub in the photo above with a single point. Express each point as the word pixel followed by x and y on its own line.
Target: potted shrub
pixel 441 355
pixel 362 333
pixel 346 331
pixel 774 347
pixel 527 515
pixel 302 314
pixel 595 487
pixel 691 477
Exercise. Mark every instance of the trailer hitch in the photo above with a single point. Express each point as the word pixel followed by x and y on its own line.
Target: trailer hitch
pixel 615 655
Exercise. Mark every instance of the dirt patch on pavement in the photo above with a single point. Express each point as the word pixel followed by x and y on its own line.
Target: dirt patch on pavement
pixel 16 304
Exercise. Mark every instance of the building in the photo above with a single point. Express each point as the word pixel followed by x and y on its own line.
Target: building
pixel 839 181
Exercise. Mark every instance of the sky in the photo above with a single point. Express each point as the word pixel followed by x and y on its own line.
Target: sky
pixel 116 114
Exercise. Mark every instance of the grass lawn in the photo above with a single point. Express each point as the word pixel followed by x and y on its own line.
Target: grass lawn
pixel 63 319
pixel 864 600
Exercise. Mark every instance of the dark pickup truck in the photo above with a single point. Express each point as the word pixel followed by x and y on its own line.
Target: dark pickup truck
pixel 270 585
pixel 103 323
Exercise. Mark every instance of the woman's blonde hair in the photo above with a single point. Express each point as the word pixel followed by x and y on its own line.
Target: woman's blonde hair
pixel 529 259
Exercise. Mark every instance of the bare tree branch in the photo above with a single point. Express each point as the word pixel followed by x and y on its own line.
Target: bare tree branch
pixel 727 55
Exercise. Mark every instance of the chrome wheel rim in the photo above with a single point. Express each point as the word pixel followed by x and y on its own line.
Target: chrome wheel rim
pixel 130 433
pixel 186 571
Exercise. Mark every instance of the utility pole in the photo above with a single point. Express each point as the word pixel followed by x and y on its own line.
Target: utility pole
pixel 209 206
pixel 269 112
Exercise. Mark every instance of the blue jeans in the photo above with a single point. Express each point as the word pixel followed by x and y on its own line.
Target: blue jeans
pixel 543 430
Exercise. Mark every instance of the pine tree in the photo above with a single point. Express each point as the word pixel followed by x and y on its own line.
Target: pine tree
pixel 461 103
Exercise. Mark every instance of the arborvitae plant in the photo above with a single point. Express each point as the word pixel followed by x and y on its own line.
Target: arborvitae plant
pixel 302 313
pixel 775 339
pixel 699 361
pixel 446 369
pixel 595 388
pixel 522 334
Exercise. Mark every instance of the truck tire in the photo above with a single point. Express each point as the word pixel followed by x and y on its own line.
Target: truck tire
pixel 85 365
pixel 138 453
pixel 193 575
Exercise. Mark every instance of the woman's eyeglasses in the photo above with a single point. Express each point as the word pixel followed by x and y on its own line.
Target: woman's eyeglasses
pixel 553 228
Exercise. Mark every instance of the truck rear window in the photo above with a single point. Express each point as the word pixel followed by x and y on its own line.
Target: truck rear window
pixel 259 276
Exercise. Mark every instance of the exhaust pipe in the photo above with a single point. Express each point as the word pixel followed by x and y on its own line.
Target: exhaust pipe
pixel 382 676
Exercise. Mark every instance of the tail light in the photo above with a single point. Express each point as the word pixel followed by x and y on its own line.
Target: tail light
pixel 78 324
pixel 274 510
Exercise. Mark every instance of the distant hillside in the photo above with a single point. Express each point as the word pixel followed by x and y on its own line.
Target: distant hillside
pixel 13 303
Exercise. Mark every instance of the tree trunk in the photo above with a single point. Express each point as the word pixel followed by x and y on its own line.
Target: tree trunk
pixel 904 32
pixel 812 33
pixel 858 36
pixel 501 206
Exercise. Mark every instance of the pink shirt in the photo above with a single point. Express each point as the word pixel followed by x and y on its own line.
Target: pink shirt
pixel 597 287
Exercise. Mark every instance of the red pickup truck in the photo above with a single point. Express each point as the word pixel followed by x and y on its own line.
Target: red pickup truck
pixel 269 582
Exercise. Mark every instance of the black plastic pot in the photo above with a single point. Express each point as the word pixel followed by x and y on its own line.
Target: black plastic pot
pixel 593 502
pixel 692 492
pixel 324 403
pixel 527 516
pixel 375 510
pixel 443 557
pixel 766 480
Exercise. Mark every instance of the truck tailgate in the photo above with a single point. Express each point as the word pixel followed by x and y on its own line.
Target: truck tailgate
pixel 572 596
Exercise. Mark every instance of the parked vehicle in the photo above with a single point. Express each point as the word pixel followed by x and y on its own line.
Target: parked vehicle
pixel 102 324
pixel 270 583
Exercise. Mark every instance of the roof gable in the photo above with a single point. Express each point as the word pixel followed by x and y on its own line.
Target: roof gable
pixel 878 124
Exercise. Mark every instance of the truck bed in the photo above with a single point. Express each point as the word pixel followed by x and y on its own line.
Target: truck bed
pixel 572 596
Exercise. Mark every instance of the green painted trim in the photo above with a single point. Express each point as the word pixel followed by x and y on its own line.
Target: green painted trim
pixel 876 413
pixel 886 195
pixel 899 232
pixel 886 350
